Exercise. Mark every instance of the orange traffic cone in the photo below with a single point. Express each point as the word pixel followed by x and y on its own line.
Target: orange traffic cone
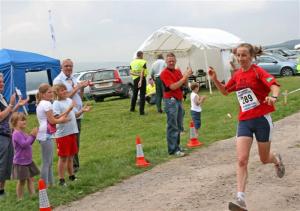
pixel 43 197
pixel 140 159
pixel 193 142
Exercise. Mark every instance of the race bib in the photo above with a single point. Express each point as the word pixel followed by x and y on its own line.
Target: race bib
pixel 247 99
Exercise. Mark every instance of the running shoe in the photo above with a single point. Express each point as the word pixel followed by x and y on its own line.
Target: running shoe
pixel 280 169
pixel 239 205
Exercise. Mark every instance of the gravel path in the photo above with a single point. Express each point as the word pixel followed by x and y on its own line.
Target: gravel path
pixel 205 180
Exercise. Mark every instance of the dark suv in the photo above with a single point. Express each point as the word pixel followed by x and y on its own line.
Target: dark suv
pixel 111 82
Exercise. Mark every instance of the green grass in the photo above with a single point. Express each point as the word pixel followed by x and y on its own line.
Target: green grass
pixel 107 150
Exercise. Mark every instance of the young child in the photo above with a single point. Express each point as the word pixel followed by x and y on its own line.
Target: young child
pixel 66 133
pixel 24 169
pixel 47 126
pixel 196 102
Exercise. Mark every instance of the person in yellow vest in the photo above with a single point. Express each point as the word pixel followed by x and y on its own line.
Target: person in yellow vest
pixel 151 92
pixel 298 65
pixel 138 72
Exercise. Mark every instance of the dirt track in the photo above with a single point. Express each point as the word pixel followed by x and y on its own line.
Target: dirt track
pixel 205 180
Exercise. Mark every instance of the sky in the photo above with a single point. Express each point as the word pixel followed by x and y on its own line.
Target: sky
pixel 101 31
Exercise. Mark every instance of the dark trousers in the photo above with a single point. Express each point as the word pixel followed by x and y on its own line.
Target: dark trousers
pixel 76 157
pixel 142 90
pixel 159 93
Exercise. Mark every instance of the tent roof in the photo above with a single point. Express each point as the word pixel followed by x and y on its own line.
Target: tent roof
pixel 171 38
pixel 13 56
pixel 15 64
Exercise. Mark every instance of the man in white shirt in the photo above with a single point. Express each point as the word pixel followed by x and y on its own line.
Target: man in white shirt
pixel 156 69
pixel 75 91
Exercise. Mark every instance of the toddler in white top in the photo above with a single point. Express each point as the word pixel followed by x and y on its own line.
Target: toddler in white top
pixel 196 102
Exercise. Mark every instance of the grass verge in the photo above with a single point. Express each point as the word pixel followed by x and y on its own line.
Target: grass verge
pixel 107 151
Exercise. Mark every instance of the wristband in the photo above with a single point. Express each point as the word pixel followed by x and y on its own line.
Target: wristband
pixel 274 97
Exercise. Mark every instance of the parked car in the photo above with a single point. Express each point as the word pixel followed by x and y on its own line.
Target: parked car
pixel 277 65
pixel 111 82
pixel 287 53
pixel 85 76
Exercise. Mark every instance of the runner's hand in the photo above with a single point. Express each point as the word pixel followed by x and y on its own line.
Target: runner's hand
pixel 270 100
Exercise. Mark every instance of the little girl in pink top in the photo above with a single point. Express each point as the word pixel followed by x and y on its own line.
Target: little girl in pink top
pixel 24 169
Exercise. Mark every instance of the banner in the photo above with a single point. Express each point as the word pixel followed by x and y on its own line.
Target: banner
pixel 52 30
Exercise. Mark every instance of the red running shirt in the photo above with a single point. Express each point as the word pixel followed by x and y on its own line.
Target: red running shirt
pixel 259 81
pixel 169 77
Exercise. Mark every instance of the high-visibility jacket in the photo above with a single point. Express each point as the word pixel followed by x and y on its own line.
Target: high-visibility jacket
pixel 136 67
pixel 150 89
pixel 298 65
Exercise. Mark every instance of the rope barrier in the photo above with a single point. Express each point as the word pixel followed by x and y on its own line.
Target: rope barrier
pixel 286 93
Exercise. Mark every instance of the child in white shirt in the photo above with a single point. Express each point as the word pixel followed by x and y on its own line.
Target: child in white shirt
pixel 196 102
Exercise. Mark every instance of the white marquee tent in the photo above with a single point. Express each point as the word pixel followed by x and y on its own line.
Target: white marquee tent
pixel 195 47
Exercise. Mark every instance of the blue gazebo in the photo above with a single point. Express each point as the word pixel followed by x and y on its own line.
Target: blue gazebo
pixel 15 64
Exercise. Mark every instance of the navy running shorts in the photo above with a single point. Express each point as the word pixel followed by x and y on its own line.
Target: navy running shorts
pixel 261 127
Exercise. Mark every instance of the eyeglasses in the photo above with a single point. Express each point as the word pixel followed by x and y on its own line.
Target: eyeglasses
pixel 68 65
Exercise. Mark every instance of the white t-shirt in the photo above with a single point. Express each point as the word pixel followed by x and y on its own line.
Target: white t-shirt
pixel 70 127
pixel 43 107
pixel 194 106
pixel 157 67
pixel 62 79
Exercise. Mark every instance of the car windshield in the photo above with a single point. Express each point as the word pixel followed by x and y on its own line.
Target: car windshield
pixel 104 75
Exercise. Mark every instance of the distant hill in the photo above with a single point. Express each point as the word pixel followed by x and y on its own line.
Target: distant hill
pixel 288 44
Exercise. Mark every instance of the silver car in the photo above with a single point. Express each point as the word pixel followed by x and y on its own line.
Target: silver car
pixel 85 76
pixel 111 82
pixel 277 65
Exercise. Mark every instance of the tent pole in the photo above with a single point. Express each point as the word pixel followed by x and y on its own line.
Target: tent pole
pixel 189 60
pixel 11 80
pixel 206 67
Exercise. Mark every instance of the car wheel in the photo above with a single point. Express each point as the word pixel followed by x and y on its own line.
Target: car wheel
pixel 98 99
pixel 287 71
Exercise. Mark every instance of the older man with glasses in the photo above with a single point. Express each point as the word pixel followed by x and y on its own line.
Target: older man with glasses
pixel 75 91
